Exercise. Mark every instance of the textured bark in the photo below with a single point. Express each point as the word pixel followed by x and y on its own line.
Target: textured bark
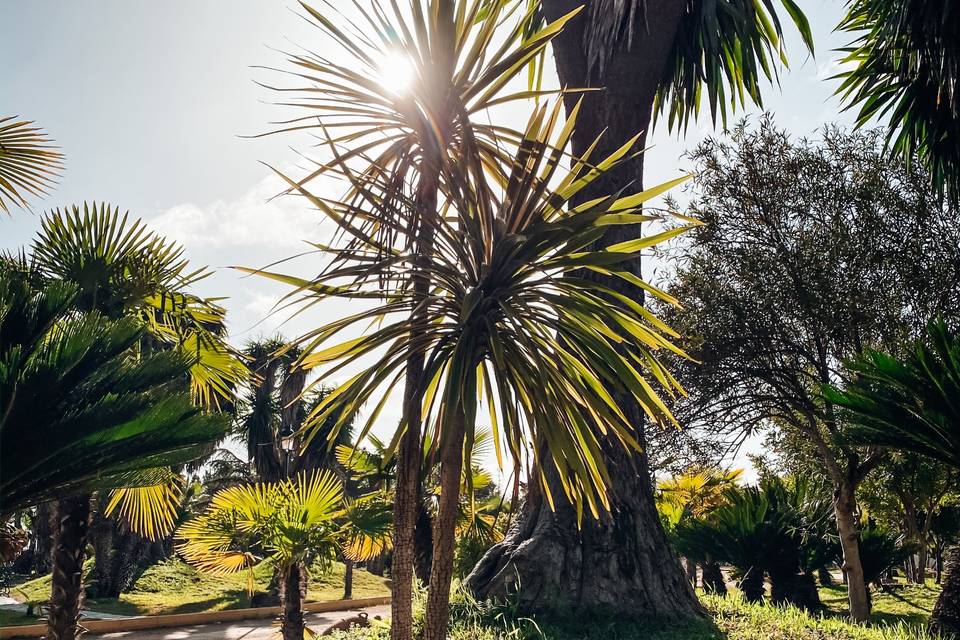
pixel 120 557
pixel 622 562
pixel 444 539
pixel 66 584
pixel 41 534
pixel 713 581
pixel 945 619
pixel 409 451
pixel 347 579
pixel 844 506
pixel 291 620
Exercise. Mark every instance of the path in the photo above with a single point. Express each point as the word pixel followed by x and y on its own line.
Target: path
pixel 242 630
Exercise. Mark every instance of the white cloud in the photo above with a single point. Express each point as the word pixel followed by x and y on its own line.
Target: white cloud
pixel 252 220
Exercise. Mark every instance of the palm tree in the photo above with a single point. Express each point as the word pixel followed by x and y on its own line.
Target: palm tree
pixel 410 137
pixel 911 404
pixel 508 314
pixel 29 163
pixel 903 67
pixel 79 414
pixel 288 523
pixel 120 269
pixel 676 59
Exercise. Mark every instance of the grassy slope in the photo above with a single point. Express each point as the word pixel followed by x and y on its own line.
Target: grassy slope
pixel 174 587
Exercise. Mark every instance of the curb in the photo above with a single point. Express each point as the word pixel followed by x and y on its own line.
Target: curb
pixel 190 619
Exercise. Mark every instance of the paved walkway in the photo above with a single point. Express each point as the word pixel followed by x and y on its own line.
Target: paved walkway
pixel 243 630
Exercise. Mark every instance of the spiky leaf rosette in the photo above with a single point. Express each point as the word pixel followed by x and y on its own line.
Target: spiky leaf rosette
pixel 29 163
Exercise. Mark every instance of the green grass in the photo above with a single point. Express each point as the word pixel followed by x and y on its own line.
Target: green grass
pixel 175 587
pixel 910 604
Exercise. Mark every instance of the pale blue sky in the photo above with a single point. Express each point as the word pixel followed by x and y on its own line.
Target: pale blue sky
pixel 149 99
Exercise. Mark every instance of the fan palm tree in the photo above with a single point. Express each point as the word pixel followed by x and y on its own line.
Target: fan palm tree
pixel 509 316
pixel 913 404
pixel 29 163
pixel 903 67
pixel 288 523
pixel 80 414
pixel 409 138
pixel 120 269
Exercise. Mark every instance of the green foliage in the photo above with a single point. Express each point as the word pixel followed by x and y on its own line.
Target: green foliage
pixel 78 412
pixel 903 68
pixel 29 164
pixel 908 403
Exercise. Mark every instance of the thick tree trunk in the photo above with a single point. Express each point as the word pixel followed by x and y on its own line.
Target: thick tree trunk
pixel 441 572
pixel 622 562
pixel 844 505
pixel 409 452
pixel 291 621
pixel 72 518
pixel 347 579
pixel 713 581
pixel 945 619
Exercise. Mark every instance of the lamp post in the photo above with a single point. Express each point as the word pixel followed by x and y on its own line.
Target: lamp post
pixel 288 442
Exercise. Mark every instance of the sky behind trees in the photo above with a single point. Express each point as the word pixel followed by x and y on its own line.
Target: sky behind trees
pixel 149 102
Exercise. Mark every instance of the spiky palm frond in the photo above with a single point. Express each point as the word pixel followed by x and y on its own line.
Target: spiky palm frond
pixel 693 494
pixel 284 522
pixel 122 269
pixel 78 412
pixel 29 163
pixel 725 50
pixel 150 511
pixel 910 403
pixel 509 313
pixel 461 56
pixel 904 68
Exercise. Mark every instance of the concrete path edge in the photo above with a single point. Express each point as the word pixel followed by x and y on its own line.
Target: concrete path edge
pixel 190 619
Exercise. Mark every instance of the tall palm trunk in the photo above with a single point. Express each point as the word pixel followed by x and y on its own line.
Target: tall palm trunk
pixel 347 579
pixel 72 519
pixel 622 562
pixel 441 571
pixel 945 619
pixel 844 506
pixel 409 452
pixel 291 622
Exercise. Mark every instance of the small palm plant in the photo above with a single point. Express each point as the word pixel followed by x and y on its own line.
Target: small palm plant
pixel 289 524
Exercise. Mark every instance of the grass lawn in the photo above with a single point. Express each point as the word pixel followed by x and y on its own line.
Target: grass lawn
pixel 175 587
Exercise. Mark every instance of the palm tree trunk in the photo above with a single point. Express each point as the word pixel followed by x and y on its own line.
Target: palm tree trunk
pixel 623 561
pixel 409 452
pixel 291 622
pixel 66 583
pixel 751 584
pixel 441 572
pixel 423 544
pixel 692 572
pixel 41 534
pixel 347 579
pixel 844 505
pixel 945 619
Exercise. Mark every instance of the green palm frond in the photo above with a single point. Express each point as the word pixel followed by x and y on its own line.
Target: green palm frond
pixel 725 50
pixel 29 163
pixel 123 269
pixel 149 510
pixel 910 403
pixel 903 68
pixel 79 413
pixel 510 312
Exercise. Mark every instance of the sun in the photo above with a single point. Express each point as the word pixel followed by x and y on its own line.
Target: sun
pixel 396 72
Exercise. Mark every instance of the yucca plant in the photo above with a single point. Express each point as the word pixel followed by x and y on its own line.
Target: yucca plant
pixel 459 57
pixel 509 320
pixel 912 404
pixel 289 524
pixel 29 162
